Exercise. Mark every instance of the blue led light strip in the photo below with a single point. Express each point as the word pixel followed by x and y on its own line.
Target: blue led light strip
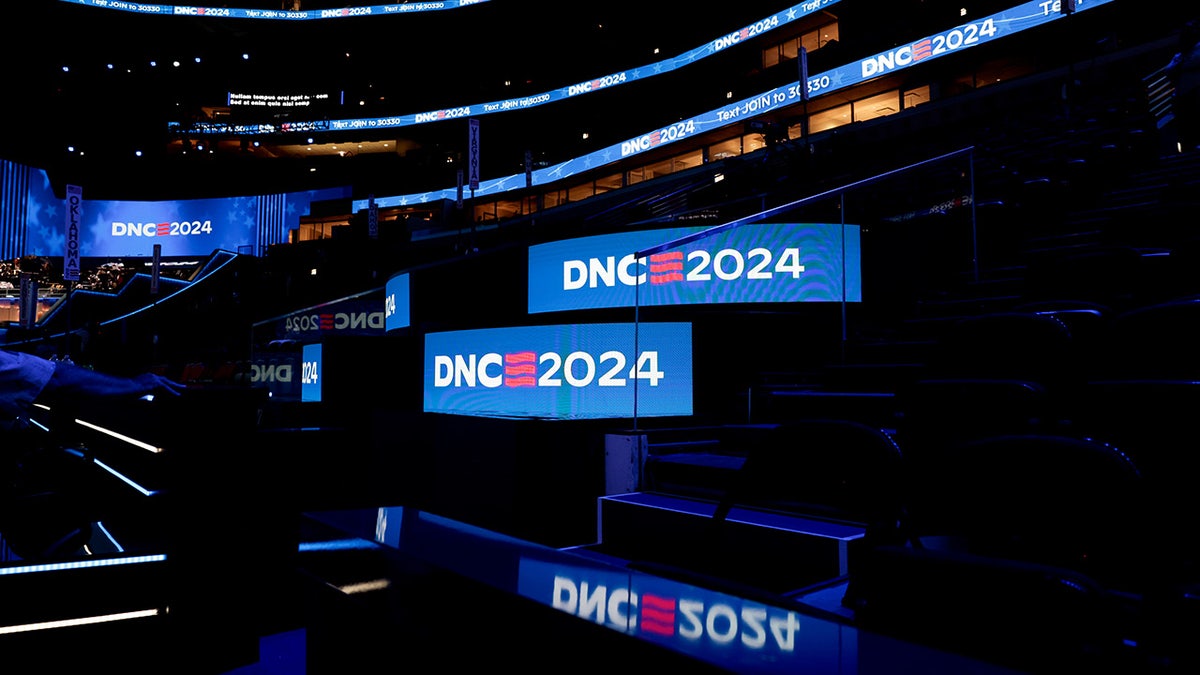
pixel 276 14
pixel 79 621
pixel 953 41
pixel 605 82
pixel 81 564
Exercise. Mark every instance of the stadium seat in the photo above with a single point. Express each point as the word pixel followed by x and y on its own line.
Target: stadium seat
pixel 1155 341
pixel 1052 499
pixel 936 413
pixel 1008 612
pixel 828 468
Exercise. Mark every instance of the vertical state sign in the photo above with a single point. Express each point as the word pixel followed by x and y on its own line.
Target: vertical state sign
pixel 473 153
pixel 74 216
pixel 372 217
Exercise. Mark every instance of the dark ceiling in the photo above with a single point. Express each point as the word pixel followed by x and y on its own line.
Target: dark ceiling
pixel 370 66
pixel 84 124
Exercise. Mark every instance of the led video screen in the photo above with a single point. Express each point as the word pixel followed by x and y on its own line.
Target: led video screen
pixel 784 262
pixel 310 373
pixel 193 227
pixel 396 302
pixel 574 371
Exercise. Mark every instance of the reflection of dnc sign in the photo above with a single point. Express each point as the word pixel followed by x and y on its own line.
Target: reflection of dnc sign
pixel 791 262
pixel 279 373
pixel 344 317
pixel 740 635
pixel 561 372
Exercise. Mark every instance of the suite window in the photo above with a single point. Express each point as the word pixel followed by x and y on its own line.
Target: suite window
pixel 879 105
pixel 689 160
pixel 789 49
pixel 725 149
pixel 916 97
pixel 485 212
pixel 508 208
pixel 607 183
pixel 659 169
pixel 581 192
pixel 829 119
pixel 319 229
pixel 554 198
pixel 821 37
pixel 753 143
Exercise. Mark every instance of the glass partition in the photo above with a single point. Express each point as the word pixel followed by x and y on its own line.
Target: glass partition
pixel 780 294
pixel 641 617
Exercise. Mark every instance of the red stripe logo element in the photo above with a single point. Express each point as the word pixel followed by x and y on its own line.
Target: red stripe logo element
pixel 519 369
pixel 666 267
pixel 657 615
pixel 922 49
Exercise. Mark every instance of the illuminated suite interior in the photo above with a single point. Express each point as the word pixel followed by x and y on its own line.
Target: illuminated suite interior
pixel 815 337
